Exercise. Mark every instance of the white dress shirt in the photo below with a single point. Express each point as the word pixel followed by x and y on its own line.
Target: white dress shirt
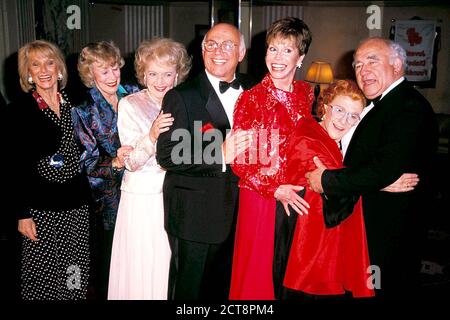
pixel 228 100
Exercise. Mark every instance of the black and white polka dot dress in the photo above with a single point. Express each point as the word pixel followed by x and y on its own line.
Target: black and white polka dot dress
pixel 56 266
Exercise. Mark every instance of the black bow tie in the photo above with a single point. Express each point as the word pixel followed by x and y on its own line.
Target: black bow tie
pixel 374 100
pixel 223 85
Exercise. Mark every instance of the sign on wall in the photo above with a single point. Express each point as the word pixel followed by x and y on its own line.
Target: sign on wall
pixel 417 38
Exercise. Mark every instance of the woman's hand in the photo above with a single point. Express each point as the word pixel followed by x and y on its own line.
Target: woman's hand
pixel 405 183
pixel 161 124
pixel 122 155
pixel 27 227
pixel 287 195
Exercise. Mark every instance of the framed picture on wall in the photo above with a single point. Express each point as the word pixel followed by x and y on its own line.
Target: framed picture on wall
pixel 420 39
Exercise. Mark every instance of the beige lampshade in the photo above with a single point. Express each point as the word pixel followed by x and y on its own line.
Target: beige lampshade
pixel 319 72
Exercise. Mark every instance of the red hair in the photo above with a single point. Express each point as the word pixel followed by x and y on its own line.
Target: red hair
pixel 347 88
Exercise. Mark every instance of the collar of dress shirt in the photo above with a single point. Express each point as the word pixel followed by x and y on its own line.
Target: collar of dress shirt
pixel 392 86
pixel 228 98
pixel 345 141
pixel 385 92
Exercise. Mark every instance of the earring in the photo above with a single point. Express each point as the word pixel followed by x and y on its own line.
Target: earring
pixel 30 79
pixel 176 81
pixel 299 65
pixel 60 76
pixel 324 110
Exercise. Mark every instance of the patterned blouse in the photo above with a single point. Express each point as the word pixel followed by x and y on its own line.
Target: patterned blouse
pixel 95 123
pixel 272 114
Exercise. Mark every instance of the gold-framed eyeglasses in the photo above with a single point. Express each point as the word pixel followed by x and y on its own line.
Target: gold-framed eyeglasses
pixel 338 112
pixel 226 46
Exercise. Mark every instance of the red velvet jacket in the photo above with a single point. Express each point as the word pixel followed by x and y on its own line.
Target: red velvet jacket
pixel 323 260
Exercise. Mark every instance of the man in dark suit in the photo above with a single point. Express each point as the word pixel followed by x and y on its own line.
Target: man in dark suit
pixel 398 133
pixel 200 195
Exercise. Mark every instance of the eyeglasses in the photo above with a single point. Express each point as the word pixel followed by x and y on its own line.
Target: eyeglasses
pixel 226 46
pixel 351 117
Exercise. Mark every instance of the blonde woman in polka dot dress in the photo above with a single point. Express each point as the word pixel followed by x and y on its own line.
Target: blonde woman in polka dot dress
pixel 53 211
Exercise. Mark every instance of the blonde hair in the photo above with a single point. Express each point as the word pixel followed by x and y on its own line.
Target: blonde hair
pixel 103 52
pixel 163 50
pixel 47 49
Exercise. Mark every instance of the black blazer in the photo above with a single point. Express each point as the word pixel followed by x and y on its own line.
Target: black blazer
pixel 398 135
pixel 35 137
pixel 200 201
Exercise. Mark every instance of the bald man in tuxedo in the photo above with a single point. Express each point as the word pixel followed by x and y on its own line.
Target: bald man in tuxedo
pixel 200 197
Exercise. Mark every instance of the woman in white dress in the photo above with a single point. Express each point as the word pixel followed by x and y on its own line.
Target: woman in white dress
pixel 141 254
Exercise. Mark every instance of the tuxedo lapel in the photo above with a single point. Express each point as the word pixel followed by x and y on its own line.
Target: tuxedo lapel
pixel 213 105
pixel 217 111
pixel 390 100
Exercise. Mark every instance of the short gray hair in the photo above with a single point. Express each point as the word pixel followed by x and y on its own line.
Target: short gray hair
pixel 397 51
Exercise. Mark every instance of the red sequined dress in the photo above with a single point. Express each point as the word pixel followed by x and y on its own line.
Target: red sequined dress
pixel 272 114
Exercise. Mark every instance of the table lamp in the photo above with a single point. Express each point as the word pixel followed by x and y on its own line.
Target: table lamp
pixel 319 73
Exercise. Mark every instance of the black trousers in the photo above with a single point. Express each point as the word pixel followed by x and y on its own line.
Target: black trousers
pixel 200 270
pixel 284 233
pixel 100 256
